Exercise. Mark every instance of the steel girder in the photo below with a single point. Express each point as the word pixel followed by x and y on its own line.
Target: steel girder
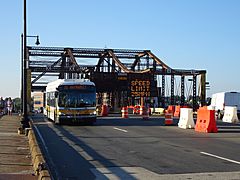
pixel 67 65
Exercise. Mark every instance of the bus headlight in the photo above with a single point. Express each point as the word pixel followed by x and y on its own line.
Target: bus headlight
pixel 61 114
pixel 93 113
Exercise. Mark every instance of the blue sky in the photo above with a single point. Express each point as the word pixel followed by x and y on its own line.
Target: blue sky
pixel 185 34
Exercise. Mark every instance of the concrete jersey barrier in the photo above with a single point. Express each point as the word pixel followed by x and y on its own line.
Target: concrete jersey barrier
pixel 230 115
pixel 186 118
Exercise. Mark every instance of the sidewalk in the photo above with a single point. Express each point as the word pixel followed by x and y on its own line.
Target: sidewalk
pixel 15 157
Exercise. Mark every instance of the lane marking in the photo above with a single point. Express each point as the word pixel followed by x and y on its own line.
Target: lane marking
pixel 120 129
pixel 219 157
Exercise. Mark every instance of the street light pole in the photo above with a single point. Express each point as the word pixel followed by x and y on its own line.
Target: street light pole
pixel 25 61
pixel 25 120
pixel 22 57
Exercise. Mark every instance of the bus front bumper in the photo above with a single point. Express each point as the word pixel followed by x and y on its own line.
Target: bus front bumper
pixel 77 119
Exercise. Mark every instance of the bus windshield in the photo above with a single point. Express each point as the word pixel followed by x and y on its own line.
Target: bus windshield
pixel 76 98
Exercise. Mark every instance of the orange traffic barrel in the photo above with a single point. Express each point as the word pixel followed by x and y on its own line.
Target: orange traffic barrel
pixel 168 118
pixel 124 112
pixel 104 111
pixel 145 113
pixel 136 109
pixel 141 110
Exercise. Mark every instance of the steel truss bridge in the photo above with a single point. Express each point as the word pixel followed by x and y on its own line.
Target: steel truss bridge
pixel 106 67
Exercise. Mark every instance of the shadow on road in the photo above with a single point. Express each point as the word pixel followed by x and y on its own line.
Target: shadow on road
pixel 76 160
pixel 93 156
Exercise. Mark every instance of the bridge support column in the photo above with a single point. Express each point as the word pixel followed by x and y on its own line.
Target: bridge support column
pixel 172 90
pixel 163 91
pixel 182 90
pixel 194 92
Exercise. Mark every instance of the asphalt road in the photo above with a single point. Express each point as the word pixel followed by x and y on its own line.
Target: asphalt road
pixel 116 148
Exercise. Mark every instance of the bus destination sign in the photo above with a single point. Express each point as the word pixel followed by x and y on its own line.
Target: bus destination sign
pixel 75 87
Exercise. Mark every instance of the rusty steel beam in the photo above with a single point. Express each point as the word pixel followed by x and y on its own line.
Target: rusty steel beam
pixel 106 60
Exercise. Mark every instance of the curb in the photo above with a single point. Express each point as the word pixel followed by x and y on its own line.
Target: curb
pixel 39 163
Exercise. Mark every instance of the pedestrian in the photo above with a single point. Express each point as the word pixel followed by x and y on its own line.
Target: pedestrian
pixel 9 106
pixel 2 106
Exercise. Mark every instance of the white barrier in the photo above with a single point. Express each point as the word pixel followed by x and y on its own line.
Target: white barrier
pixel 230 115
pixel 211 107
pixel 159 111
pixel 186 118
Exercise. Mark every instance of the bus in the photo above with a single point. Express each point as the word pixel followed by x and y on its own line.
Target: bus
pixel 38 102
pixel 70 101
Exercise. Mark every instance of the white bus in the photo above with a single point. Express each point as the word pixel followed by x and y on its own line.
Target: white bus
pixel 71 100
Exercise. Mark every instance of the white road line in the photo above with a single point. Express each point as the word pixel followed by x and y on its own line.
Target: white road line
pixel 120 129
pixel 219 157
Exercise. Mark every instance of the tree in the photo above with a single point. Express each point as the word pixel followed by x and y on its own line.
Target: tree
pixel 17 105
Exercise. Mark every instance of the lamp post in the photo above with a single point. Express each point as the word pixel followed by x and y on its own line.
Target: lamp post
pixel 23 67
pixel 25 120
pixel 22 73
pixel 37 39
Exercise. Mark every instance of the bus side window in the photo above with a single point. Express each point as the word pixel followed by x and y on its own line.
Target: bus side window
pixel 52 99
pixel 48 99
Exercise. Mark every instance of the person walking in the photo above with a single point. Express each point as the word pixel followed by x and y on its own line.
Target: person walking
pixel 2 106
pixel 9 106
